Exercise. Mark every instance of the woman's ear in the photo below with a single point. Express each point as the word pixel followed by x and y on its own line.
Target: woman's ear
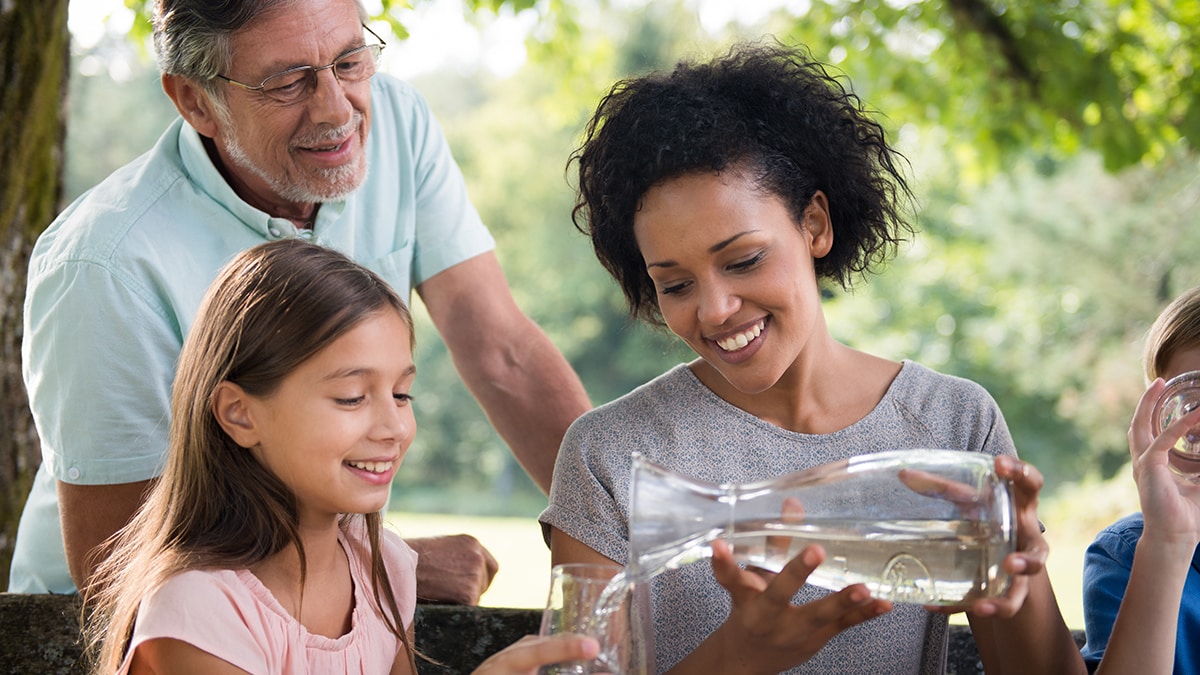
pixel 192 102
pixel 818 225
pixel 231 407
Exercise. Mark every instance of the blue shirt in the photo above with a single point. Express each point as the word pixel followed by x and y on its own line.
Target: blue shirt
pixel 1106 569
pixel 115 282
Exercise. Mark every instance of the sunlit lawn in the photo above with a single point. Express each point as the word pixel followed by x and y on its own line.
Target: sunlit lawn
pixel 524 576
pixel 523 579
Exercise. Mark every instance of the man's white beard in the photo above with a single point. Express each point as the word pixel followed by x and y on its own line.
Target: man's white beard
pixel 334 184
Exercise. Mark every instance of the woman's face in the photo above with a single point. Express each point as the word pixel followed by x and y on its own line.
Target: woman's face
pixel 733 272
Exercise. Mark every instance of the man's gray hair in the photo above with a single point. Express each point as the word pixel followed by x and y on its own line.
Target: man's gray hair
pixel 193 37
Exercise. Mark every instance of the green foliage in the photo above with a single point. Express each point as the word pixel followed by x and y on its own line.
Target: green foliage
pixel 1114 76
pixel 1038 265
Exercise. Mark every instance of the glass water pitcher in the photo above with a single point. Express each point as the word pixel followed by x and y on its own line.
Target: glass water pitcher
pixel 918 526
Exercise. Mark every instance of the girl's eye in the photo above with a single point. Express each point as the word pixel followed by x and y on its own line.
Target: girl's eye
pixel 349 401
pixel 403 399
pixel 743 265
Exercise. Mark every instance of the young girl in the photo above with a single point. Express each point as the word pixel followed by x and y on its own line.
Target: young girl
pixel 1141 576
pixel 719 196
pixel 260 549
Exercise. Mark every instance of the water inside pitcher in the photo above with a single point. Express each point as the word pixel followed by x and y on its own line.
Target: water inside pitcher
pixel 928 527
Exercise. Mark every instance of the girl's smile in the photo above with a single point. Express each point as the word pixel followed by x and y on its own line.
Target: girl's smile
pixel 337 427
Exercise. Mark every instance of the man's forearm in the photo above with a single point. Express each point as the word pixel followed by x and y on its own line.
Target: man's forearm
pixel 531 396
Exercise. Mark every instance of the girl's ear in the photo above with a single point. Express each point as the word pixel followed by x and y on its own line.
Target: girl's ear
pixel 819 225
pixel 232 410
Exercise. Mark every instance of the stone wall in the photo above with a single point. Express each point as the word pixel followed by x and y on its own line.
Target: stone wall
pixel 39 634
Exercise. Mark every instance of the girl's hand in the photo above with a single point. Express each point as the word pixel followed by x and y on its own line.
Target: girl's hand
pixel 765 632
pixel 1170 504
pixel 531 652
pixel 1029 558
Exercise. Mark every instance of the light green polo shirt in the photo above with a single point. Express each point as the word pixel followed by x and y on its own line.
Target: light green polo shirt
pixel 115 282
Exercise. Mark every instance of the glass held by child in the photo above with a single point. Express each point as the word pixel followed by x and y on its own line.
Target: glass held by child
pixel 1141 575
pixel 261 548
pixel 720 196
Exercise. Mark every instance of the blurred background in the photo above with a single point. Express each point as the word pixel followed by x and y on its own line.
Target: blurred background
pixel 1051 148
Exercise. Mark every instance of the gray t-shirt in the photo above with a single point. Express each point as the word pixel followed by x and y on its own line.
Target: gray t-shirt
pixel 676 421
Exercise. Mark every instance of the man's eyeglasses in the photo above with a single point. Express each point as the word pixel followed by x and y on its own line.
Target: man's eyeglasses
pixel 296 84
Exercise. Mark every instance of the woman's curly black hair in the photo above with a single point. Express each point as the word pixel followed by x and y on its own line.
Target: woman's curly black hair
pixel 766 110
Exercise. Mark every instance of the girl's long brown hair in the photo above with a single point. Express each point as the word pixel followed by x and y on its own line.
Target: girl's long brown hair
pixel 215 506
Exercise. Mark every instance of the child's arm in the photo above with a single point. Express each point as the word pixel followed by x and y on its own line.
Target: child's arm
pixel 1023 632
pixel 1143 636
pixel 167 655
pixel 526 655
pixel 403 665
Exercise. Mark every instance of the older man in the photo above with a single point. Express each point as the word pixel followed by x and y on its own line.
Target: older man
pixel 286 131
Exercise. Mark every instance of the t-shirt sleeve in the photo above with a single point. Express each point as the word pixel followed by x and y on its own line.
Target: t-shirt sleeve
pixel 582 501
pixel 202 610
pixel 99 360
pixel 1106 567
pixel 401 562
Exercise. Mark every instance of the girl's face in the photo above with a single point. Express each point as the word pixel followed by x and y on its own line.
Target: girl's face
pixel 733 272
pixel 338 426
pixel 1182 361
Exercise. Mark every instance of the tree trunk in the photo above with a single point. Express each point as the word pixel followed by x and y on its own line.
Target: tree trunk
pixel 34 62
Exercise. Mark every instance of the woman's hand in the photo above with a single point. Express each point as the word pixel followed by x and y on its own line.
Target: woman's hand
pixel 765 632
pixel 1029 558
pixel 531 652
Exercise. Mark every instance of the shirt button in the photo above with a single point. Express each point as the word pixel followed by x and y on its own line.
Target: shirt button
pixel 274 231
pixel 73 473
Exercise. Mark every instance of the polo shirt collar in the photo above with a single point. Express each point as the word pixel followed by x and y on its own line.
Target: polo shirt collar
pixel 206 177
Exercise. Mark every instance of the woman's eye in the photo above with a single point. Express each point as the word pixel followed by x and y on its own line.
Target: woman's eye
pixel 673 289
pixel 349 401
pixel 743 265
pixel 403 399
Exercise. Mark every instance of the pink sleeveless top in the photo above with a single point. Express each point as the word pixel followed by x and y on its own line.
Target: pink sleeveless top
pixel 231 615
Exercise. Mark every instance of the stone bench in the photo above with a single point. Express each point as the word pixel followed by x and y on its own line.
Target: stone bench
pixel 40 634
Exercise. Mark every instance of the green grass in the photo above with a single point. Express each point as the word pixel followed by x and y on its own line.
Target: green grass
pixel 1072 517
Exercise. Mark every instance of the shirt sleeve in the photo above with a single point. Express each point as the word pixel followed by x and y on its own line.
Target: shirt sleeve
pixel 448 227
pixel 99 360
pixel 401 562
pixel 201 609
pixel 1107 564
pixel 582 501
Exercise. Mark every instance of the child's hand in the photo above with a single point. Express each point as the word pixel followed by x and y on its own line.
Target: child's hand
pixel 765 632
pixel 1029 558
pixel 1170 505
pixel 531 652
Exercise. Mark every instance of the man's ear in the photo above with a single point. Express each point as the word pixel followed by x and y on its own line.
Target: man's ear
pixel 231 407
pixel 819 225
pixel 193 103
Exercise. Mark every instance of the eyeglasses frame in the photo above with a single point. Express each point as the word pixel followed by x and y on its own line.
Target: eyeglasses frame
pixel 315 70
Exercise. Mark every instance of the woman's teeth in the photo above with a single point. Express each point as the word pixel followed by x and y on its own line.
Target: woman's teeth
pixel 736 342
pixel 372 467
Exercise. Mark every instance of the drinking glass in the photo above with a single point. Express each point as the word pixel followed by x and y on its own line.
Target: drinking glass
pixel 1181 396
pixel 594 600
